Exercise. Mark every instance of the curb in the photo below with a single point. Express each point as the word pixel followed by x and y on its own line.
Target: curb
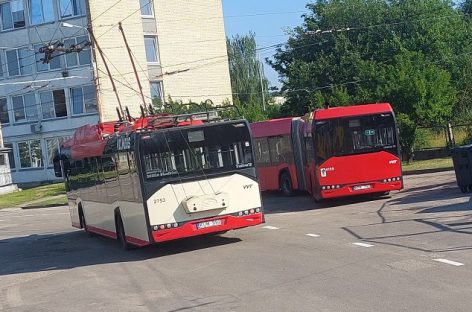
pixel 425 171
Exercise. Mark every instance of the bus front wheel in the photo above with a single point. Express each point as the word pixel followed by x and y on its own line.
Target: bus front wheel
pixel 286 184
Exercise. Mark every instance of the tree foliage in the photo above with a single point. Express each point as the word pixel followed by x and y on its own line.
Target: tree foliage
pixel 248 81
pixel 415 54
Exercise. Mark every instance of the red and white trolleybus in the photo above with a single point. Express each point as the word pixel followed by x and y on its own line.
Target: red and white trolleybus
pixel 161 178
pixel 333 152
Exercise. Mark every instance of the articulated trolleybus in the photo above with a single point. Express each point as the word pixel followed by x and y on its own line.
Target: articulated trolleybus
pixel 333 152
pixel 161 178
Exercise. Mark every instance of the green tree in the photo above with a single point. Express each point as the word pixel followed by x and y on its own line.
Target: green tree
pixel 247 79
pixel 415 54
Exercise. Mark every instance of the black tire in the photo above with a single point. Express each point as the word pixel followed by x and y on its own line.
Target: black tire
pixel 120 233
pixel 286 186
pixel 83 224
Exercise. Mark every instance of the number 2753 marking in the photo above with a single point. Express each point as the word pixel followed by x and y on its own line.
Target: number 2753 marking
pixel 159 200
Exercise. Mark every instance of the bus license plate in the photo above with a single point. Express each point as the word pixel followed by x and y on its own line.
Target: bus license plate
pixel 361 187
pixel 207 224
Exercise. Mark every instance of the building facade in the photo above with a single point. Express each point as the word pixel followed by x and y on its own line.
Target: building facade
pixel 178 48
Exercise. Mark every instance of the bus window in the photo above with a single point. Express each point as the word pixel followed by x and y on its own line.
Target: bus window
pixel 280 150
pixel 212 149
pixel 262 151
pixel 355 135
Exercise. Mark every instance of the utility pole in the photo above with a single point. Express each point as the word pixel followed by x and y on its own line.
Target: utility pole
pixel 261 68
pixel 132 63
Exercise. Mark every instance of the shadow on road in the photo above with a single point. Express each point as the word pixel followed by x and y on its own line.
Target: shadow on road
pixel 277 203
pixel 37 253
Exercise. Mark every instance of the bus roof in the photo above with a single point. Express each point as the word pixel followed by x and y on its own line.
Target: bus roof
pixel 355 110
pixel 272 127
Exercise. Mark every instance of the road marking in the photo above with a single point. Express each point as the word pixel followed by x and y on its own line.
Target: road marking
pixel 270 227
pixel 454 263
pixel 312 235
pixel 363 245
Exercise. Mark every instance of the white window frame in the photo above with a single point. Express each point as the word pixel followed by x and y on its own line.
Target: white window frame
pixel 151 4
pixel 8 112
pixel 39 56
pixel 19 60
pixel 2 62
pixel 70 3
pixel 77 55
pixel 84 106
pixel 161 89
pixel 156 46
pixel 42 13
pixel 11 13
pixel 53 103
pixel 30 154
pixel 59 141
pixel 26 120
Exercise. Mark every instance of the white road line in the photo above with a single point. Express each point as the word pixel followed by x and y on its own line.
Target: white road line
pixel 268 227
pixel 363 245
pixel 454 263
pixel 312 235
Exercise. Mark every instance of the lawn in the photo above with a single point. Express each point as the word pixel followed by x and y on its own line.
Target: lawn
pixel 441 163
pixel 48 194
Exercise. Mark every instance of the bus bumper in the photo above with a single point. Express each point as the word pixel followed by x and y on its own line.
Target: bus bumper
pixel 190 229
pixel 374 187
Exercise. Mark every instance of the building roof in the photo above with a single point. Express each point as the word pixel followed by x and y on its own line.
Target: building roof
pixel 356 110
pixel 272 127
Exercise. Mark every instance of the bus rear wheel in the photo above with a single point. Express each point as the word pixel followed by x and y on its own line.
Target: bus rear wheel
pixel 286 184
pixel 120 233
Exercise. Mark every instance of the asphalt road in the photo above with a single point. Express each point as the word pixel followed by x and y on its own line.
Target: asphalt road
pixel 408 252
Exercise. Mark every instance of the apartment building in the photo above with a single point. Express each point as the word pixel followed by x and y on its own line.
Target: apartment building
pixel 6 183
pixel 178 48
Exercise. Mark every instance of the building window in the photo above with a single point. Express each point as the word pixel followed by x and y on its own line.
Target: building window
pixel 4 119
pixel 41 11
pixel 53 104
pixel 30 154
pixel 20 62
pixel 54 148
pixel 84 100
pixel 1 64
pixel 82 58
pixel 71 8
pixel 55 63
pixel 11 157
pixel 152 52
pixel 25 107
pixel 157 95
pixel 12 15
pixel 146 7
pixel 2 160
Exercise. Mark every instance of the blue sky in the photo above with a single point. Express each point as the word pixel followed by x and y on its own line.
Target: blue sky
pixel 269 28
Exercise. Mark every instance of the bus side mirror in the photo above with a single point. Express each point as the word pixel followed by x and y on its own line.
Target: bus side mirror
pixel 57 167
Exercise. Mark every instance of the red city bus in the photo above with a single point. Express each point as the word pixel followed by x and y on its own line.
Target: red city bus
pixel 331 153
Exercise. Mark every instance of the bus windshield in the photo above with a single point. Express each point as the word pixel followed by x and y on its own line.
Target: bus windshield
pixel 188 152
pixel 355 135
